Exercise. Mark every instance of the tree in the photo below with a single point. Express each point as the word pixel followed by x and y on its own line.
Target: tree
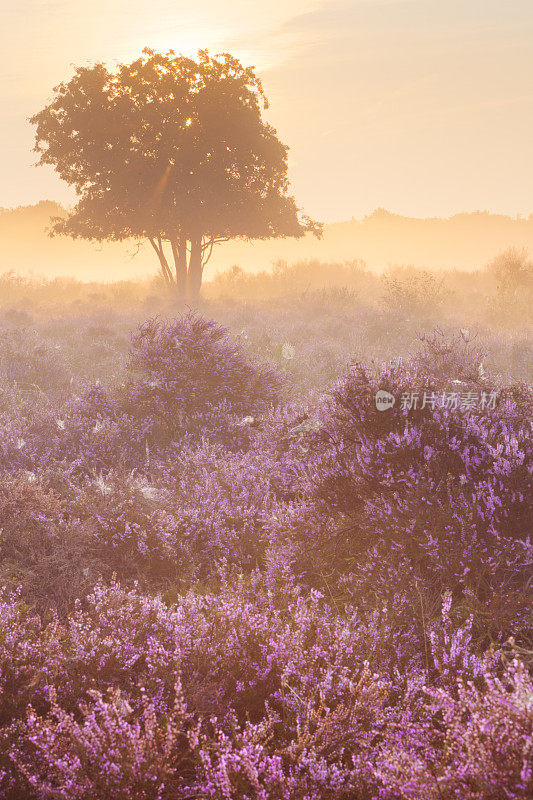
pixel 512 270
pixel 173 150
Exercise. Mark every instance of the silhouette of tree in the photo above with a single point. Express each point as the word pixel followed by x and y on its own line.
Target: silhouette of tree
pixel 512 270
pixel 173 150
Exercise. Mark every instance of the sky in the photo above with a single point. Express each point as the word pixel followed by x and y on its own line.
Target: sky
pixel 423 107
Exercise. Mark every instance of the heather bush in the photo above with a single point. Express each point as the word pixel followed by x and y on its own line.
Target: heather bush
pixel 130 529
pixel 28 362
pixel 485 750
pixel 83 435
pixel 43 550
pixel 109 753
pixel 178 519
pixel 280 696
pixel 218 501
pixel 28 648
pixel 190 366
pixel 311 600
pixel 411 502
pixel 187 381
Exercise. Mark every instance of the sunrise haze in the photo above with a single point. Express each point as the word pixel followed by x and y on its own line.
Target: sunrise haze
pixel 423 107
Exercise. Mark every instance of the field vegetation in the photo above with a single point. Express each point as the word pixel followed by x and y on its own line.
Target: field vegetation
pixel 228 576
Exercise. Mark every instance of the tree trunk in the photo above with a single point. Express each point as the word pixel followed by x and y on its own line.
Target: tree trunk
pixel 194 282
pixel 179 251
pixel 165 269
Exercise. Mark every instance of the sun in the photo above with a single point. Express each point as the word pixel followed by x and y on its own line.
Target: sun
pixel 185 42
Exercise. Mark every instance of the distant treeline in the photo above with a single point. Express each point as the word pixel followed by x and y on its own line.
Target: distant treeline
pixel 463 241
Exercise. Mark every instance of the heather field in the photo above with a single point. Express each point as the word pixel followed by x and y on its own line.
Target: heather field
pixel 229 573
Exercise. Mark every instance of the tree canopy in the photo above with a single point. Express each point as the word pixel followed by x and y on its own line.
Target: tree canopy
pixel 173 150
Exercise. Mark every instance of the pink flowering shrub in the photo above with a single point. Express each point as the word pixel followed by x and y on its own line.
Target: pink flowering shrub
pixel 84 434
pixel 190 367
pixel 187 380
pixel 486 749
pixel 43 548
pixel 414 502
pixel 109 753
pixel 223 597
pixel 178 521
pixel 248 691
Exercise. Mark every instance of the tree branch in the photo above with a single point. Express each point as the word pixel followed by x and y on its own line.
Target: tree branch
pixel 207 247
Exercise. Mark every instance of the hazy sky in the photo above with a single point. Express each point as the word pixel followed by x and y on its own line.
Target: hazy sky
pixel 424 107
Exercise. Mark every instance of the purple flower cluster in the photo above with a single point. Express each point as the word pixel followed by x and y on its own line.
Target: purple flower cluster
pixel 252 693
pixel 213 594
pixel 398 506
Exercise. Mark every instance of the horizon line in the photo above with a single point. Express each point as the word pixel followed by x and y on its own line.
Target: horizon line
pixel 378 211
